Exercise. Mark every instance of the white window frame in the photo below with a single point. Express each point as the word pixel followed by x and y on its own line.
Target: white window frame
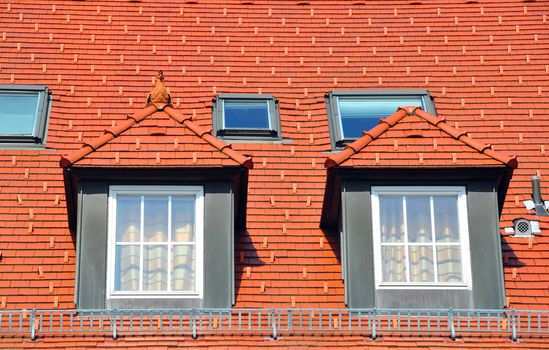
pixel 463 235
pixel 198 192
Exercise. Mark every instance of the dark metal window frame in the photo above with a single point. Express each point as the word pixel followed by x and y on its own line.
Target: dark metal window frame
pixel 355 229
pixel 224 208
pixel 38 136
pixel 336 134
pixel 274 132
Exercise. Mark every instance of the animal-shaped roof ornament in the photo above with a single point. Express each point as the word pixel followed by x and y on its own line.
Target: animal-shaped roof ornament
pixel 159 96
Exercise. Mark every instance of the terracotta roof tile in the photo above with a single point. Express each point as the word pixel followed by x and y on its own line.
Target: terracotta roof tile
pixel 484 75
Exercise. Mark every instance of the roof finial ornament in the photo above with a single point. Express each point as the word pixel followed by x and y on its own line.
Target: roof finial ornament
pixel 159 96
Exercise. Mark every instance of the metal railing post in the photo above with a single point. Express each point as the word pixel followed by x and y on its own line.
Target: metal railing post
pixel 374 324
pixel 32 324
pixel 113 325
pixel 273 323
pixel 451 324
pixel 290 320
pixel 193 323
pixel 513 326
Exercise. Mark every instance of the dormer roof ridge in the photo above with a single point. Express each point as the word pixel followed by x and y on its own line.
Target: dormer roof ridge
pixel 390 122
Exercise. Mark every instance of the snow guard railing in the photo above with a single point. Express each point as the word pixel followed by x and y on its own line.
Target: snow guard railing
pixel 275 322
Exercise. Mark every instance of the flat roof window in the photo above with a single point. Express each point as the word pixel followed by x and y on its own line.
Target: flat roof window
pixel 352 112
pixel 246 116
pixel 23 114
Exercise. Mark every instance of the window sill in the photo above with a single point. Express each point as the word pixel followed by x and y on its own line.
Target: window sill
pixel 254 139
pixel 424 286
pixel 161 295
pixel 24 146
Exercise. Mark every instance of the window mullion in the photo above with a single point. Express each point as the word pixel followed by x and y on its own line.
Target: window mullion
pixel 170 245
pixel 433 237
pixel 141 239
pixel 406 255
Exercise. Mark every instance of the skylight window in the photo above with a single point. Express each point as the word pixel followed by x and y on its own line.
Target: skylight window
pixel 23 114
pixel 246 116
pixel 352 112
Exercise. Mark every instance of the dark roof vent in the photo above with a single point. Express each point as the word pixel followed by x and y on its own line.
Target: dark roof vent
pixel 540 208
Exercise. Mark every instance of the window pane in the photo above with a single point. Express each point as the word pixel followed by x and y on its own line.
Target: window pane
pixel 421 264
pixel 128 218
pixel 184 268
pixel 391 220
pixel 17 113
pixel 156 219
pixel 446 218
pixel 418 215
pixel 246 114
pixel 127 268
pixel 449 263
pixel 361 114
pixel 393 264
pixel 155 268
pixel 183 208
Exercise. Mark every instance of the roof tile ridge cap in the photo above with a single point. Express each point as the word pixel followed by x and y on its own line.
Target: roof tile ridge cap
pixel 74 157
pixel 107 136
pixel 442 125
pixel 120 128
pixel 175 115
pixel 360 143
pixel 243 160
pixel 428 117
pixel 142 114
pixel 338 158
pixel 510 161
pixel 214 141
pixel 378 130
pixel 209 138
pixel 197 130
pixel 462 136
pixel 227 149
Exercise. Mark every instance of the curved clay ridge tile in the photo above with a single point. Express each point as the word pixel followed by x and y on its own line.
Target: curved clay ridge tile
pixel 386 123
pixel 510 161
pixel 133 119
pixel 110 134
pixel 368 136
pixel 212 140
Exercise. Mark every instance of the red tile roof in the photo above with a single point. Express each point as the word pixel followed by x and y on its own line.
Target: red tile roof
pixel 485 63
pixel 412 137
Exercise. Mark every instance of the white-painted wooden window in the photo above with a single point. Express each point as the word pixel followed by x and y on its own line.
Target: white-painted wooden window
pixel 155 241
pixel 421 237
